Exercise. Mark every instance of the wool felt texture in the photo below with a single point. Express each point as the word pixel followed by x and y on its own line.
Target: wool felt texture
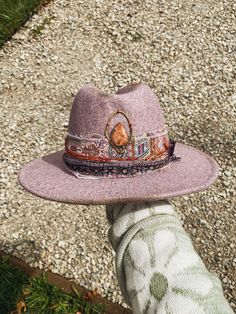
pixel 157 267
pixel 47 177
pixel 92 108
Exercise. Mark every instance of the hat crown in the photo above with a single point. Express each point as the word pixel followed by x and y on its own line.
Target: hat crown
pixel 92 109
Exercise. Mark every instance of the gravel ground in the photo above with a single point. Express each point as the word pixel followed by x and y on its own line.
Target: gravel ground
pixel 185 50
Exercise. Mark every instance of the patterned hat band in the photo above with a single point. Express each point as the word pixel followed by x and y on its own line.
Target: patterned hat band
pixel 149 146
pixel 84 168
pixel 98 156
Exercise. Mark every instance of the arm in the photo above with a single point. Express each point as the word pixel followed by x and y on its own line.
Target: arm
pixel 157 267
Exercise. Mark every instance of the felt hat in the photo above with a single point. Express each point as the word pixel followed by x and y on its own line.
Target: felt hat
pixel 117 149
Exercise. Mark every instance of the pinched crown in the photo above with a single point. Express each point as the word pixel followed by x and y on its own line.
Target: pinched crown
pixel 92 108
pixel 117 135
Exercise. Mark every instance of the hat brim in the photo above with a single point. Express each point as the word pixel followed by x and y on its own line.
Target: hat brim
pixel 48 178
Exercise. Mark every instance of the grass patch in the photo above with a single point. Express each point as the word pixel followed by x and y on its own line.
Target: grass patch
pixel 13 14
pixel 12 282
pixel 21 294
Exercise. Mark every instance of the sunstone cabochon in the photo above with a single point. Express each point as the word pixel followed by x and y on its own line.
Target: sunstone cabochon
pixel 47 177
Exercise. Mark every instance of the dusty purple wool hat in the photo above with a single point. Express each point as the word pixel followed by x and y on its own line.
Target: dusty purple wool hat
pixel 117 149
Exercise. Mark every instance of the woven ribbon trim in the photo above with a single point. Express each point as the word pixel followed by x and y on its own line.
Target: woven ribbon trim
pixel 119 168
pixel 150 146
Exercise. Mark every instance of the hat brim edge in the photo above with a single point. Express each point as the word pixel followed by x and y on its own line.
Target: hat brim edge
pixel 27 184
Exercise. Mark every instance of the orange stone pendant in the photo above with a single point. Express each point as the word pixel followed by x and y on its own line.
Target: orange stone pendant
pixel 119 136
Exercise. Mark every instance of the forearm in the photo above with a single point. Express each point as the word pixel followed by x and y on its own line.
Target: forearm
pixel 157 267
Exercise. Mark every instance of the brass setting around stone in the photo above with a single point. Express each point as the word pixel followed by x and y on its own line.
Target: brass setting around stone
pixel 118 137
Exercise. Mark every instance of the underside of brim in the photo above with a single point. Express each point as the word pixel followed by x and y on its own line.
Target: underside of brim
pixel 48 178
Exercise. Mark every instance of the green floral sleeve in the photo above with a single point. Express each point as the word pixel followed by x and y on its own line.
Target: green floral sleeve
pixel 157 267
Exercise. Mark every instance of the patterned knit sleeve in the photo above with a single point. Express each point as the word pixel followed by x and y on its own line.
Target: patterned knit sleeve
pixel 156 265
